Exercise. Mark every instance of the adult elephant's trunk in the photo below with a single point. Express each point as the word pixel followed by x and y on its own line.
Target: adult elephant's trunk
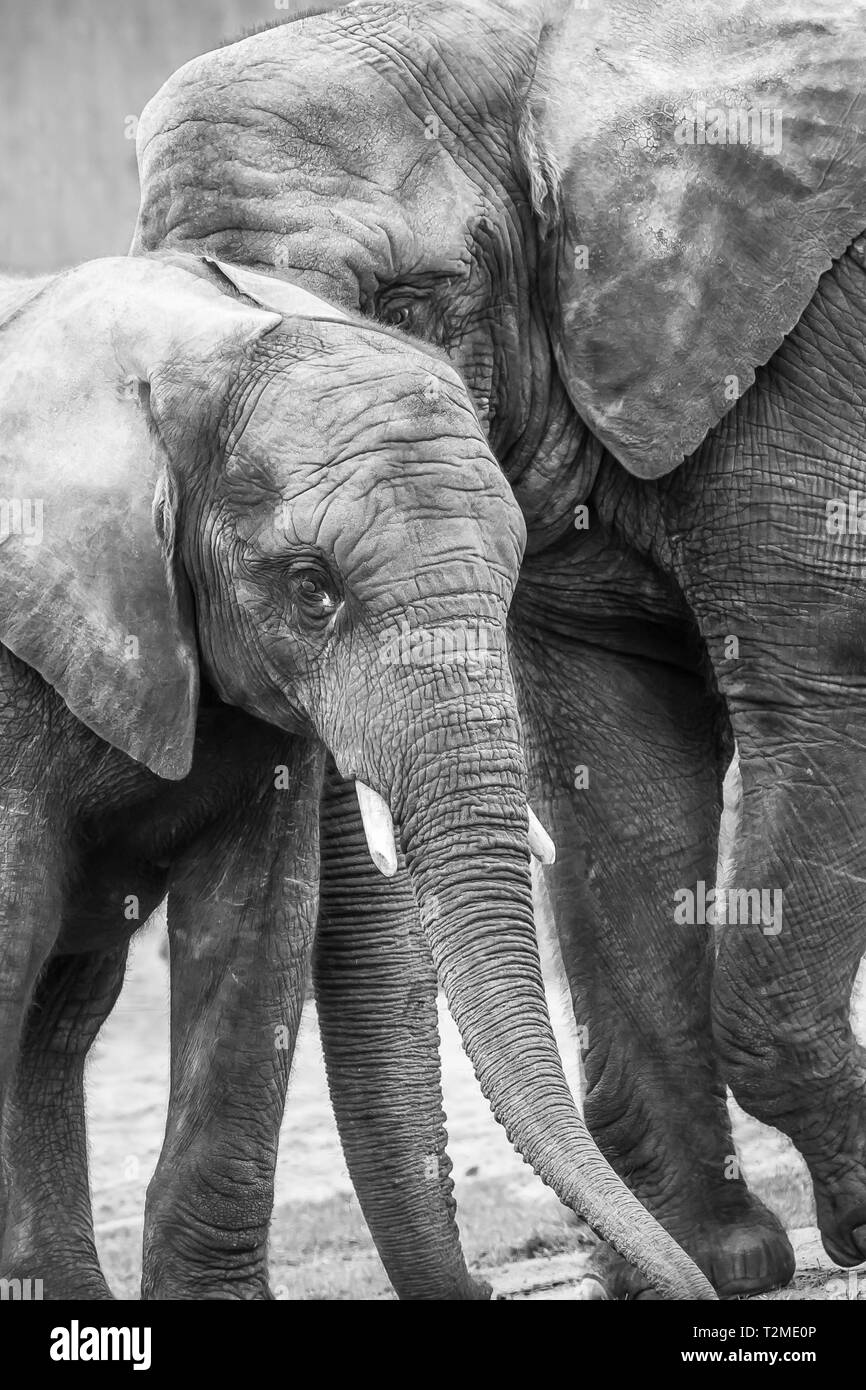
pixel 467 853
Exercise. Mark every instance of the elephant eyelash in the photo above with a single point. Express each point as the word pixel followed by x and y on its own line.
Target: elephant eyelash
pixel 398 298
pixel 301 561
pixel 281 573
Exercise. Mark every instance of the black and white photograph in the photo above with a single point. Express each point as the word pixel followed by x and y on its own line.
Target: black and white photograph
pixel 433 664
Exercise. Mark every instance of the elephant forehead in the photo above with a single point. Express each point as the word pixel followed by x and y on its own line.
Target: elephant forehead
pixel 260 135
pixel 334 407
pixel 385 548
pixel 459 535
pixel 375 515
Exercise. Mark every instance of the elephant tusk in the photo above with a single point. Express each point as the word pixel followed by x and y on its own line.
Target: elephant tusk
pixel 540 843
pixel 378 828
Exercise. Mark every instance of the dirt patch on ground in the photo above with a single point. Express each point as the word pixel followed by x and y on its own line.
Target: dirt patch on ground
pixel 514 1230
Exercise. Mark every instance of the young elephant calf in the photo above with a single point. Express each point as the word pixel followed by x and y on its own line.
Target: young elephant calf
pixel 216 517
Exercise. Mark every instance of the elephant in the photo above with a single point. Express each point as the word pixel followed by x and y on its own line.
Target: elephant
pixel 636 234
pixel 223 497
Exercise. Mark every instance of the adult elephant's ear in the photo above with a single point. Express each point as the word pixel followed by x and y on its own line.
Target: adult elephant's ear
pixel 102 375
pixel 711 163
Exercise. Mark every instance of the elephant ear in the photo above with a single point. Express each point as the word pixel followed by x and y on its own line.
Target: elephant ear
pixel 711 164
pixel 91 591
pixel 273 292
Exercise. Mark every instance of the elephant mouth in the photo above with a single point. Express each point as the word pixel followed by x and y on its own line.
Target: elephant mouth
pixel 382 844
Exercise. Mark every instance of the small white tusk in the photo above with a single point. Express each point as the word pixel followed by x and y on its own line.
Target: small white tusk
pixel 540 843
pixel 378 828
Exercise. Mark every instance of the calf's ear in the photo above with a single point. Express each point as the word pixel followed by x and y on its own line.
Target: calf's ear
pixel 92 594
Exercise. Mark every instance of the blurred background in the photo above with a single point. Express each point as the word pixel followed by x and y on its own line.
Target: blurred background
pixel 74 76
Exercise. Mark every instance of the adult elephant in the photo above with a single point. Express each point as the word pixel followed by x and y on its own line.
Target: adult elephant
pixel 207 503
pixel 635 235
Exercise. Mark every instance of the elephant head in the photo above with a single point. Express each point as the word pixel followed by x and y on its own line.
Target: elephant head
pixel 596 239
pixel 241 484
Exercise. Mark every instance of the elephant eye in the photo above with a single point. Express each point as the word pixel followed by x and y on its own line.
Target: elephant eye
pixel 314 595
pixel 395 315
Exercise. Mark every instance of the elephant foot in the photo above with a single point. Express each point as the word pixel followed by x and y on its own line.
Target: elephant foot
pixel 185 1293
pixel 845 1242
pixel 841 1208
pixel 742 1255
pixel 838 1171
pixel 846 1245
pixel 749 1256
pixel 198 1280
pixel 198 1275
pixel 55 1283
pixel 45 1259
pixel 203 1249
pixel 830 1133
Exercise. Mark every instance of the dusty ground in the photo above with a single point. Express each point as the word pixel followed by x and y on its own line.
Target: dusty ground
pixel 512 1226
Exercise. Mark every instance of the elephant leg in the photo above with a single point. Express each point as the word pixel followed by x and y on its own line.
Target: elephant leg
pixel 783 982
pixel 31 872
pixel 49 1221
pixel 241 917
pixel 627 757
pixel 376 995
pixel 778 593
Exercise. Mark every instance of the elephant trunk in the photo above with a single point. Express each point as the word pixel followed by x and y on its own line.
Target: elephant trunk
pixel 467 854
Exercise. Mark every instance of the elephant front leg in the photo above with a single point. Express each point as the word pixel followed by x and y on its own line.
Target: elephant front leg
pixel 376 996
pixel 625 752
pixel 32 867
pixel 241 915
pixel 795 936
pixel 49 1222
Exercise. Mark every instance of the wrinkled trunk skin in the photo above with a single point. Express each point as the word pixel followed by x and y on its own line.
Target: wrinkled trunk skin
pixel 376 1003
pixel 466 851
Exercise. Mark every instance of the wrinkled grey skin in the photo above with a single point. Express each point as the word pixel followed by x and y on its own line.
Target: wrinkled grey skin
pixel 316 484
pixel 393 159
